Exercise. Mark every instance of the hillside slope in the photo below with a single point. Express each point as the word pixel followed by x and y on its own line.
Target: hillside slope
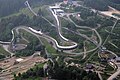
pixel 8 7
pixel 102 4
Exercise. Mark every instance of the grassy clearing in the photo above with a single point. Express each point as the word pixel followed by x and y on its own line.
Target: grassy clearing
pixel 28 36
pixel 3 52
pixel 105 76
pixel 40 65
pixel 21 40
pixel 90 45
pixel 86 32
pixel 77 50
pixel 26 11
pixel 49 47
pixel 47 14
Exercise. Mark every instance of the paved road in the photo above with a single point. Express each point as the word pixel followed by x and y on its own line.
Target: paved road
pixel 111 31
pixel 28 5
pixel 84 36
pixel 84 27
pixel 56 45
pixel 48 38
pixel 59 29
pixel 114 75
pixel 17 31
pixel 6 47
pixel 113 44
pixel 100 42
pixel 7 43
pixel 85 54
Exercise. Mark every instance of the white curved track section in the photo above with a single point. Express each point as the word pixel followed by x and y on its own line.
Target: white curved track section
pixel 58 46
pixel 35 31
pixel 58 23
pixel 13 35
pixel 39 32
pixel 28 5
pixel 1 42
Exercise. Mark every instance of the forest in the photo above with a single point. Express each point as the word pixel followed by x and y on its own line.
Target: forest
pixel 8 7
pixel 60 71
pixel 102 4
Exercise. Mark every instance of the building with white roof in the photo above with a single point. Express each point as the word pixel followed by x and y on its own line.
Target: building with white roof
pixel 56 10
pixel 19 59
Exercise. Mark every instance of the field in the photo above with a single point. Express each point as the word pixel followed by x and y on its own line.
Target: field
pixel 3 52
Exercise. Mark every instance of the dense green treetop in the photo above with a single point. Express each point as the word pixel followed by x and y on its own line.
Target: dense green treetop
pixel 102 4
